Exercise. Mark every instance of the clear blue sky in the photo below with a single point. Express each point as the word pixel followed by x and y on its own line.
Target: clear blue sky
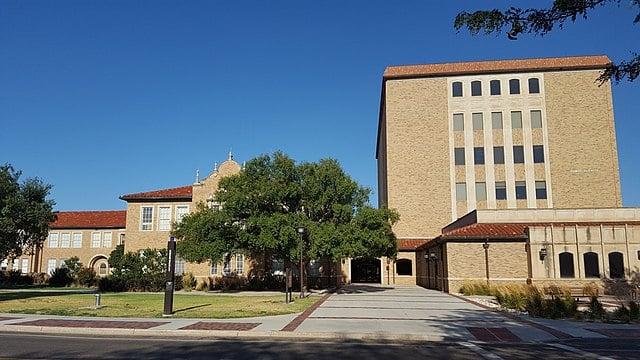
pixel 104 98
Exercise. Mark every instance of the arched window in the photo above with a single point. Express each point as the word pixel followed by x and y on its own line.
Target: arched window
pixel 514 86
pixel 457 89
pixel 103 269
pixel 534 86
pixel 403 267
pixel 476 88
pixel 566 265
pixel 591 265
pixel 616 265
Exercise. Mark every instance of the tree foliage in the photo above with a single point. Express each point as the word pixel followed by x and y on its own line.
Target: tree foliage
pixel 25 213
pixel 542 21
pixel 263 205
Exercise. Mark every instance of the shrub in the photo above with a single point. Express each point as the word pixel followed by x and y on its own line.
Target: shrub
pixel 634 311
pixel 15 278
pixel 112 284
pixel 74 265
pixel 39 278
pixel 596 310
pixel 226 283
pixel 86 277
pixel 60 277
pixel 265 282
pixel 514 296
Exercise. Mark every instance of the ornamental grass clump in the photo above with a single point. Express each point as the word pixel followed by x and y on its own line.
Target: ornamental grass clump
pixel 476 288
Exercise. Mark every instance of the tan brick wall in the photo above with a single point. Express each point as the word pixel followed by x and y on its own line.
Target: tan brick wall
pixel 418 155
pixel 582 141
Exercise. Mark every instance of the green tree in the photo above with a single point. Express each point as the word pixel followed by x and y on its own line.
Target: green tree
pixel 542 21
pixel 263 205
pixel 25 213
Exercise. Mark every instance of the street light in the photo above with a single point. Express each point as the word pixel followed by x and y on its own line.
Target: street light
pixel 485 246
pixel 301 230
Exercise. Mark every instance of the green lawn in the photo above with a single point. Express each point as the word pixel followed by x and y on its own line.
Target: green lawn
pixel 145 305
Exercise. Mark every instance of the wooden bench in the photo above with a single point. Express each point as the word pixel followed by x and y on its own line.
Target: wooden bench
pixel 579 294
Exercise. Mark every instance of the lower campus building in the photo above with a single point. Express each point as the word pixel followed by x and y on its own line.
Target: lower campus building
pixel 502 172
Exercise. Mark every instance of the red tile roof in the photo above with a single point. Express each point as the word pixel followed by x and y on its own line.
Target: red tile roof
pixel 411 244
pixel 489 230
pixel 497 66
pixel 90 219
pixel 183 192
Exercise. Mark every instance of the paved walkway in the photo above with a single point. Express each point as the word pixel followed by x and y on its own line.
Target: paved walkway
pixel 365 312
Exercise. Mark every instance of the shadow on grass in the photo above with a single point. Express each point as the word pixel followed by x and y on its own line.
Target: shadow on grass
pixel 192 307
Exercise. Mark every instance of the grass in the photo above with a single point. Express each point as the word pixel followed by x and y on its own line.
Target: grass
pixel 149 305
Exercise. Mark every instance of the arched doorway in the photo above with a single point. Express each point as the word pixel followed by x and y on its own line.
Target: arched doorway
pixel 100 265
pixel 365 271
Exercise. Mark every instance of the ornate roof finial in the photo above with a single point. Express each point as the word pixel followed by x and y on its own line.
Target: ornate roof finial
pixel 244 165
pixel 197 176
pixel 215 166
pixel 230 155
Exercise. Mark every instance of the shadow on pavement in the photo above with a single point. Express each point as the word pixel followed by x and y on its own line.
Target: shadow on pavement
pixel 361 288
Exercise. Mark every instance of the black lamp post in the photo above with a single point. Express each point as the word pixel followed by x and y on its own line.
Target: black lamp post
pixel 301 230
pixel 485 246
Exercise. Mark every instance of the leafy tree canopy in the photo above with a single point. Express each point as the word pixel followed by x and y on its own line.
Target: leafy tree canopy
pixel 542 21
pixel 264 204
pixel 25 213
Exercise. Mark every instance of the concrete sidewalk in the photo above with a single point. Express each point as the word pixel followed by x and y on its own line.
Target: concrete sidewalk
pixel 362 312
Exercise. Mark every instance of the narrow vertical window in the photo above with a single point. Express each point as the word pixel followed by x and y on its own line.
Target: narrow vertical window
pixel 477 121
pixel 536 119
pixel 180 266
pixel 25 266
pixel 147 218
pixel 516 120
pixel 518 154
pixel 459 156
pixel 476 88
pixel 481 191
pixel 65 240
pixel 53 240
pixel 461 192
pixel 458 122
pixel 514 86
pixel 616 265
pixel 457 89
pixel 77 240
pixel 164 218
pixel 566 265
pixel 51 265
pixel 538 154
pixel 95 239
pixel 501 190
pixel 239 264
pixel 478 155
pixel 214 268
pixel 521 190
pixel 541 190
pixel 496 120
pixel 591 265
pixel 498 155
pixel 495 87
pixel 534 86
pixel 106 239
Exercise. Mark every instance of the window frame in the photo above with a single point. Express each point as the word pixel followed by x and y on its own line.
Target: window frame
pixel 533 84
pixel 521 190
pixel 566 264
pixel 538 154
pixel 96 241
pixel 495 120
pixel 146 218
pixel 541 191
pixel 457 89
pixel 76 240
pixel 459 156
pixel 514 86
pixel 481 191
pixel 461 191
pixel 478 155
pixel 501 190
pixel 477 121
pixel 164 217
pixel 591 263
pixel 518 154
pixel 495 87
pixel 536 121
pixel 516 120
pixel 476 88
pixel 53 240
pixel 458 122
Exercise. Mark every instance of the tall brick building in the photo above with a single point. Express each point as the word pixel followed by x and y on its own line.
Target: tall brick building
pixel 502 135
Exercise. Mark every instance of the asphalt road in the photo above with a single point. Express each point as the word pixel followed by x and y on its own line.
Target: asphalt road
pixel 27 346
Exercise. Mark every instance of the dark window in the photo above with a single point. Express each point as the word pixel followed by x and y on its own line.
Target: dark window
pixel 478 155
pixel 591 266
pixel 616 265
pixel 501 190
pixel 534 86
pixel 459 156
pixel 403 267
pixel 498 155
pixel 514 86
pixel 566 265
pixel 521 190
pixel 476 88
pixel 538 154
pixel 518 155
pixel 541 190
pixel 457 89
pixel 495 87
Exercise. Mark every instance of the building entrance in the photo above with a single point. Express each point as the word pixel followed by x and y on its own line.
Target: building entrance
pixel 365 271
